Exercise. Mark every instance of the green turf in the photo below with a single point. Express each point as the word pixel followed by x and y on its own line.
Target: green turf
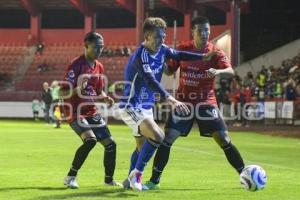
pixel 34 158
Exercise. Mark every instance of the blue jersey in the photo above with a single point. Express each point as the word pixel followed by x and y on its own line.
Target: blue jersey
pixel 143 74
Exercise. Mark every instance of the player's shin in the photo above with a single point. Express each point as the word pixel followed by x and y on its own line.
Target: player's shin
pixel 146 154
pixel 81 154
pixel 133 159
pixel 110 161
pixel 234 157
pixel 160 161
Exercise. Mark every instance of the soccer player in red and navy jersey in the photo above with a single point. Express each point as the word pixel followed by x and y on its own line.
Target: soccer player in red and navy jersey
pixel 196 88
pixel 85 77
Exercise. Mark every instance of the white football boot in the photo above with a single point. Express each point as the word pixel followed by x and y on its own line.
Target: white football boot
pixel 71 182
pixel 135 179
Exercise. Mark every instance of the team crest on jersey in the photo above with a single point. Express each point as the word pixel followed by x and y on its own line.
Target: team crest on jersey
pixel 71 74
pixel 146 68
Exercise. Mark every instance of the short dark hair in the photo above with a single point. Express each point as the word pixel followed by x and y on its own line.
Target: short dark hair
pixel 152 23
pixel 92 36
pixel 199 20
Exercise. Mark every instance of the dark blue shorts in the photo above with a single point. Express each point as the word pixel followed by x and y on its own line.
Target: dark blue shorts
pixel 208 118
pixel 95 123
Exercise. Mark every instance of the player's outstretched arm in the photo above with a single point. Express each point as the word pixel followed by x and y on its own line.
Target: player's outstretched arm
pixel 212 72
pixel 186 55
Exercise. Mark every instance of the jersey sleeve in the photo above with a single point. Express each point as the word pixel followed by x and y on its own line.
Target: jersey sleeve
pixel 70 77
pixel 182 55
pixel 173 65
pixel 221 60
pixel 144 71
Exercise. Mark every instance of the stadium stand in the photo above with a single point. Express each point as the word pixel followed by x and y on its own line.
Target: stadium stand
pixel 11 56
pixel 51 65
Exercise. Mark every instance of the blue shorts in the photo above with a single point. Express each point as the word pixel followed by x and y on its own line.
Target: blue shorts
pixel 208 118
pixel 95 123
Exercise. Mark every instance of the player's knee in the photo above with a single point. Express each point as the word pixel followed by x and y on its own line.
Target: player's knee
pixel 90 142
pixel 225 142
pixel 111 147
pixel 171 135
pixel 166 144
pixel 159 137
pixel 154 143
pixel 222 139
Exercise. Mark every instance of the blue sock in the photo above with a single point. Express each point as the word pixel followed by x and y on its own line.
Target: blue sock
pixel 133 159
pixel 146 154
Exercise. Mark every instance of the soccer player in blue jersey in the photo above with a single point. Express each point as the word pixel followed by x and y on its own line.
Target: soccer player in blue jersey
pixel 143 72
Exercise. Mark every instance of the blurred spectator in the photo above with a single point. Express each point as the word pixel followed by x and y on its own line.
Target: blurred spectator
pixel 126 51
pixel 118 51
pixel 109 51
pixel 56 103
pixel 278 89
pixel 271 82
pixel 40 48
pixel 270 88
pixel 234 84
pixel 261 79
pixel 290 91
pixel 249 79
pixel 36 108
pixel 264 70
pixel 43 68
pixel 47 99
pixel 261 94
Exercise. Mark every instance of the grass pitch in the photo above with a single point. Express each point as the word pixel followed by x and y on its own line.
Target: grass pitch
pixel 34 159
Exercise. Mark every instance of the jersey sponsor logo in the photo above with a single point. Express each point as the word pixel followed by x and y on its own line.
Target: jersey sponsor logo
pixel 190 82
pixel 147 68
pixel 198 75
pixel 193 68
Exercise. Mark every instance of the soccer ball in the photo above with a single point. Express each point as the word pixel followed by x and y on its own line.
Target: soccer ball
pixel 253 178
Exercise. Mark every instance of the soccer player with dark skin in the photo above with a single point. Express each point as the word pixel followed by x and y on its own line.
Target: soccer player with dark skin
pixel 196 88
pixel 85 77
